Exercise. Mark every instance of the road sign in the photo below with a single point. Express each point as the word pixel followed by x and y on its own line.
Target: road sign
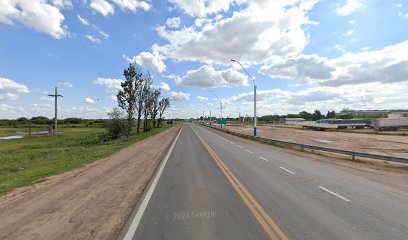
pixel 222 121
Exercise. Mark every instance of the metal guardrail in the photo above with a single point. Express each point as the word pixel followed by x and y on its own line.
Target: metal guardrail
pixel 324 149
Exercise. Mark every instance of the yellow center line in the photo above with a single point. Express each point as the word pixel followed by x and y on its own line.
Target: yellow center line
pixel 263 218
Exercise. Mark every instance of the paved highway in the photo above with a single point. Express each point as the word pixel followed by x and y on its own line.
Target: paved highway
pixel 213 186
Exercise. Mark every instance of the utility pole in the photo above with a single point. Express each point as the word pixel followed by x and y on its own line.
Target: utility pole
pixel 255 120
pixel 220 105
pixel 55 95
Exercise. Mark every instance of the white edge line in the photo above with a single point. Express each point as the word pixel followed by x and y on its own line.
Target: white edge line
pixel 264 159
pixel 240 146
pixel 135 223
pixel 284 169
pixel 334 194
pixel 249 151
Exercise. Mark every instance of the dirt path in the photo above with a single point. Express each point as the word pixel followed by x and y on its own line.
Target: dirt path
pixel 91 202
pixel 396 146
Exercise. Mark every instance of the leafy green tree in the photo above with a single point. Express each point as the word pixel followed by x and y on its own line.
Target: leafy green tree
pixel 331 114
pixel 317 115
pixel 154 106
pixel 164 103
pixel 305 115
pixel 127 95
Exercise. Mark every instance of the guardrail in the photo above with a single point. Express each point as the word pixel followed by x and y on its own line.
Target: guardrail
pixel 324 149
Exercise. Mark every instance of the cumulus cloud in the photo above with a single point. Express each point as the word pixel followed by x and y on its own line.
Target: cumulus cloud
pixel 208 77
pixel 173 22
pixel 9 89
pixel 201 98
pixel 386 65
pixel 89 100
pixel 62 3
pixel 204 7
pixel 349 7
pixel 179 96
pixel 103 7
pixel 164 86
pixel 325 98
pixel 252 35
pixel 152 61
pixel 39 15
pixel 93 39
pixel 112 86
pixel 107 8
pixel 132 5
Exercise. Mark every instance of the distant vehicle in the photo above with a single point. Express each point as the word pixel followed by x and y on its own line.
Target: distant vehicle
pixel 390 124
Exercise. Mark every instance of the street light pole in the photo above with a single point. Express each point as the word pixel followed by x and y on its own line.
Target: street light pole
pixel 220 105
pixel 255 119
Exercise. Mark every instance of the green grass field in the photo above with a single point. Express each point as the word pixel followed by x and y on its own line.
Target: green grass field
pixel 28 160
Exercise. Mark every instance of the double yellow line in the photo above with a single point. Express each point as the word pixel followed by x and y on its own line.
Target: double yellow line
pixel 270 227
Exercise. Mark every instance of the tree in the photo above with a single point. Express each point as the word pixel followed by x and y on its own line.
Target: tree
pixel 147 100
pixel 139 98
pixel 127 95
pixel 331 114
pixel 317 115
pixel 164 103
pixel 305 115
pixel 154 106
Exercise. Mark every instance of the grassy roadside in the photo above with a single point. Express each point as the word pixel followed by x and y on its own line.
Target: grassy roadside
pixel 28 160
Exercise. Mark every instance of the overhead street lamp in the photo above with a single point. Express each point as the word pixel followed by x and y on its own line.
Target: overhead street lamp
pixel 220 104
pixel 255 120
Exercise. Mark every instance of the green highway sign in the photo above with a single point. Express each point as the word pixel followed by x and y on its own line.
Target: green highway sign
pixel 222 121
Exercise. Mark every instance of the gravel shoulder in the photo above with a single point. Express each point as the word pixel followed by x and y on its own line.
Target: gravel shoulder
pixel 92 202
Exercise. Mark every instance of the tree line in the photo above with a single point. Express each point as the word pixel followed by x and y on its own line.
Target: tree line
pixel 142 103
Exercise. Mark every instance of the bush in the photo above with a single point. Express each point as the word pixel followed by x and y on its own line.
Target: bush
pixel 116 127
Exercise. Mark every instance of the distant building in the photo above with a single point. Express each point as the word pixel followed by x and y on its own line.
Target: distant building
pixel 294 121
pixel 398 114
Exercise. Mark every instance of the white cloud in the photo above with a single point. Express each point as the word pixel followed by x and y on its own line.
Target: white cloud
pixel 103 7
pixel 201 98
pixel 104 34
pixel 9 89
pixel 204 7
pixel 62 3
pixel 403 15
pixel 36 14
pixel 151 61
pixel 173 22
pixel 93 39
pixel 8 96
pixel 348 33
pixel 339 48
pixel 253 35
pixel 65 84
pixel 164 86
pixel 387 65
pixel 208 77
pixel 106 8
pixel 112 86
pixel 132 5
pixel 83 20
pixel 349 7
pixel 89 100
pixel 179 96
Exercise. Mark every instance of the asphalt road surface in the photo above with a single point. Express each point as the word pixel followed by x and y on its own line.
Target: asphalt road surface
pixel 210 187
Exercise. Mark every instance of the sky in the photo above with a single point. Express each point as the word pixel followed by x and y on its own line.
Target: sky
pixel 302 55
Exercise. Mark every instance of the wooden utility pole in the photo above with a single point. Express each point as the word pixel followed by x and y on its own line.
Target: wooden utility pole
pixel 55 95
